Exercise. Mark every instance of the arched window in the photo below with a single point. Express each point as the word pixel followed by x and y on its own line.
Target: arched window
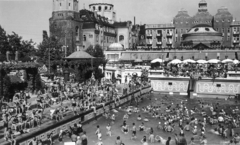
pixel 77 31
pixel 121 38
pixel 100 8
pixel 84 38
pixel 106 8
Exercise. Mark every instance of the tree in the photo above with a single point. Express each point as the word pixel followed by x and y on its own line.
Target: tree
pixel 13 43
pixel 53 45
pixel 98 51
pixel 3 41
pixel 90 50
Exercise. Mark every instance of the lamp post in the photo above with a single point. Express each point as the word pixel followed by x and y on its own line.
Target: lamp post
pixel 49 60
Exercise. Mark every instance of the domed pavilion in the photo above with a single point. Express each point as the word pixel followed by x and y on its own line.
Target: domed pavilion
pixel 202 36
pixel 113 52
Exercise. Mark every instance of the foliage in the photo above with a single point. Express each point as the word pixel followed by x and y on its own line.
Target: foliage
pixel 6 86
pixel 12 43
pixel 19 65
pixel 56 52
pixel 90 50
pixel 97 51
pixel 144 75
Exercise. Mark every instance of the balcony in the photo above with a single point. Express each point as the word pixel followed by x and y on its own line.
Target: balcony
pixel 159 43
pixel 236 33
pixel 169 42
pixel 169 34
pixel 159 34
pixel 149 35
pixel 235 41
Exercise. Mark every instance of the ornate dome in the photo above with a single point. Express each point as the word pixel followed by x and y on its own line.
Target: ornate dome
pixel 202 28
pixel 223 12
pixel 202 2
pixel 115 47
pixel 203 34
pixel 182 13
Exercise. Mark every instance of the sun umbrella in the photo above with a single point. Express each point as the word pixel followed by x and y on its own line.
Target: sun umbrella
pixel 202 61
pixel 214 61
pixel 236 61
pixel 176 61
pixel 189 61
pixel 157 60
pixel 227 61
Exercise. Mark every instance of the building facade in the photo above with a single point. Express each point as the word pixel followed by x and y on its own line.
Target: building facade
pixel 79 29
pixel 160 36
pixel 66 25
pixel 235 29
pixel 183 22
pixel 96 29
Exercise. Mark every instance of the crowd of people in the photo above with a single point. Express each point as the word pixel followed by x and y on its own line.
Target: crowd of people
pixel 200 70
pixel 25 115
pixel 180 118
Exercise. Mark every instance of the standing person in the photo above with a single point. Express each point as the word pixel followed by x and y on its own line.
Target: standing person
pixel 134 132
pixel 60 136
pixel 168 141
pixel 204 140
pixel 109 132
pixel 144 140
pixel 84 138
pixel 79 141
pixel 98 133
pixel 113 118
pixel 118 141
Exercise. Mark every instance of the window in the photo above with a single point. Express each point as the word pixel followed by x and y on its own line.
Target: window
pixel 223 30
pixel 228 30
pixel 228 38
pixel 94 8
pixel 100 8
pixel 106 7
pixel 159 31
pixel 176 31
pixel 90 36
pixel 121 38
pixel 77 30
pixel 85 38
pixel 60 4
pixel 69 4
pixel 207 29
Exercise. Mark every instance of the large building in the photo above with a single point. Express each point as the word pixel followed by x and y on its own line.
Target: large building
pixel 222 22
pixel 79 29
pixel 65 24
pixel 160 36
pixel 235 29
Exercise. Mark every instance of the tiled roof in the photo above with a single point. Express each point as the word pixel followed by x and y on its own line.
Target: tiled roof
pixel 121 24
pixel 89 25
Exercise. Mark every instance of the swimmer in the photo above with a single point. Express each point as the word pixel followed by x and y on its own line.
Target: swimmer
pixel 134 132
pixel 109 132
pixel 98 133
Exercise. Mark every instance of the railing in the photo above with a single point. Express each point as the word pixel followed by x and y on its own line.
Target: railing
pixel 181 49
pixel 84 117
pixel 235 32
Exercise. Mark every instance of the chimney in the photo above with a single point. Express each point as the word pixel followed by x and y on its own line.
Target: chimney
pixel 134 21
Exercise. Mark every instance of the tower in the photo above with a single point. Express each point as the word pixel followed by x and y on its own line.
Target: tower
pixel 104 8
pixel 65 24
pixel 202 6
pixel 65 5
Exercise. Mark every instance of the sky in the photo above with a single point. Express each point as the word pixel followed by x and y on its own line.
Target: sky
pixel 29 18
